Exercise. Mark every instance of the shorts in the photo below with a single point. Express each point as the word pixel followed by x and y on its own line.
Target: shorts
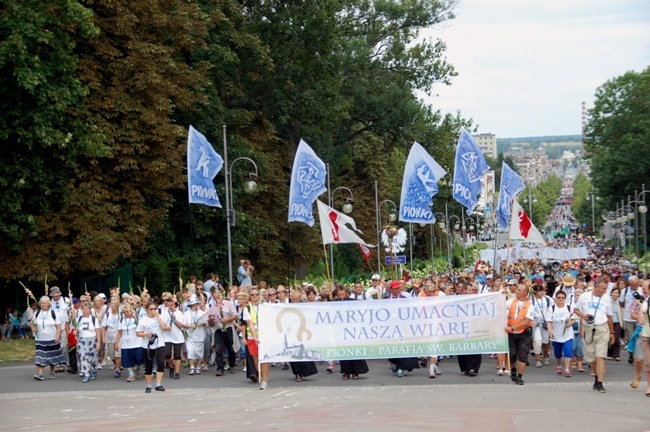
pixel 596 342
pixel 112 352
pixel 132 357
pixel 519 344
pixel 173 348
pixel 578 346
pixel 563 349
pixel 253 349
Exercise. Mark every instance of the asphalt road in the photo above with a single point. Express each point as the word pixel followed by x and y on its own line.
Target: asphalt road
pixel 378 401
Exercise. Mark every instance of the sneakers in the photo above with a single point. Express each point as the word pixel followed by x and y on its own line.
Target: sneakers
pixel 519 381
pixel 160 388
pixel 538 363
pixel 147 390
pixel 400 373
pixel 131 378
pixel 117 374
pixel 171 373
pixel 226 367
pixel 197 371
pixel 176 376
pixel 39 377
pixel 437 370
pixel 244 370
pixel 547 362
pixel 86 379
pixel 191 372
pixel 93 374
pixel 599 387
pixel 99 367
pixel 219 373
pixel 285 366
pixel 394 369
pixel 567 373
pixel 513 377
pixel 500 372
pixel 432 371
pixel 263 385
pixel 558 370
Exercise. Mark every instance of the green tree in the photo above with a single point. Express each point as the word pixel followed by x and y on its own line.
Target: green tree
pixel 618 133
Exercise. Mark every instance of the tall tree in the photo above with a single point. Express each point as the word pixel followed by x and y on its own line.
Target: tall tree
pixel 618 133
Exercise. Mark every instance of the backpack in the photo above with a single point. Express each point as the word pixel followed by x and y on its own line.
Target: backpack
pixel 567 306
pixel 39 311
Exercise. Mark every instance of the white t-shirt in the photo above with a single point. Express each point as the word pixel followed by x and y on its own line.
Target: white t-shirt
pixel 363 296
pixel 541 307
pixel 150 325
pixel 627 296
pixel 129 340
pixel 46 325
pixel 599 307
pixel 86 326
pixel 560 316
pixel 195 317
pixel 61 308
pixel 646 327
pixel 175 335
pixel 111 324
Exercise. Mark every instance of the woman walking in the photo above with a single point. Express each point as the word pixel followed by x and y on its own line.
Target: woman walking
pixel 47 328
pixel 89 340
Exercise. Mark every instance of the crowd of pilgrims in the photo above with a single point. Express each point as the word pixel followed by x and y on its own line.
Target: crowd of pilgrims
pixel 203 328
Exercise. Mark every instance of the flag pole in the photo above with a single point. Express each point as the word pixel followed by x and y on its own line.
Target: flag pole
pixel 327 267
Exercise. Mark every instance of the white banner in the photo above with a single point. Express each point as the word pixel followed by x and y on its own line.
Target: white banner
pixel 516 252
pixel 415 327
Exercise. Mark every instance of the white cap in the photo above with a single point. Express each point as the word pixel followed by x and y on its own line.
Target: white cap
pixel 376 276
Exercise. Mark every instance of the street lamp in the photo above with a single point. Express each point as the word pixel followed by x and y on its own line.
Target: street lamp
pixel 347 209
pixel 391 217
pixel 643 209
pixel 250 186
pixel 591 195
pixel 530 198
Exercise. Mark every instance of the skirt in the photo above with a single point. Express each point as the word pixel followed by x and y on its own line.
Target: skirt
pixel 354 367
pixel 407 363
pixel 194 349
pixel 303 369
pixel 48 353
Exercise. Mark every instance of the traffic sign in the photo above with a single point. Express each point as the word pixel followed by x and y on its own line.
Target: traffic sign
pixel 395 260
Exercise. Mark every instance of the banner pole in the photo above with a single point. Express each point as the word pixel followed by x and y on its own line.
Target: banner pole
pixel 327 267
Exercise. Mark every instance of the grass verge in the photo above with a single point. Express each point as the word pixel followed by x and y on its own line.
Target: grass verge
pixel 16 350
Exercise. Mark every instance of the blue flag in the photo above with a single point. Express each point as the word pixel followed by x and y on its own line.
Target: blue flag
pixel 469 169
pixel 419 185
pixel 203 164
pixel 511 185
pixel 307 182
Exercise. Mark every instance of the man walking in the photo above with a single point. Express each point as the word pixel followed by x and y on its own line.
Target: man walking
pixel 595 308
pixel 520 331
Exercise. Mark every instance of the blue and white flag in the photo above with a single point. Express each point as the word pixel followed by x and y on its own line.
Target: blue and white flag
pixel 307 182
pixel 419 185
pixel 203 164
pixel 511 185
pixel 469 169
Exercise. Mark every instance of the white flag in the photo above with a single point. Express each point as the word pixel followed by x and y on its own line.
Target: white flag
pixel 521 227
pixel 333 226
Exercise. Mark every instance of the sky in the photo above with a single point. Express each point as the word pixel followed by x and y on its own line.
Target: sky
pixel 525 66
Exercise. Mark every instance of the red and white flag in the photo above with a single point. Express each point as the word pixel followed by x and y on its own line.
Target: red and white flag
pixel 334 226
pixel 522 228
pixel 364 251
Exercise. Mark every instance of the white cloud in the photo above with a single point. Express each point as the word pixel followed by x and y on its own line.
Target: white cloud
pixel 526 66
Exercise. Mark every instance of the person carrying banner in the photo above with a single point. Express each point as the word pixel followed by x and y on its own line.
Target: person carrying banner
pixel 431 290
pixel 520 333
pixel 401 364
pixel 350 368
pixel 252 340
pixel 469 364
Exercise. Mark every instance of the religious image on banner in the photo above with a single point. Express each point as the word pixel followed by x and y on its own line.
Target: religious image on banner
pixel 203 164
pixel 469 168
pixel 511 185
pixel 419 185
pixel 308 178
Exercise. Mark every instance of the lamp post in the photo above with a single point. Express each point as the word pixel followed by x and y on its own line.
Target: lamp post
pixel 643 209
pixel 591 195
pixel 347 209
pixel 530 198
pixel 391 217
pixel 250 186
